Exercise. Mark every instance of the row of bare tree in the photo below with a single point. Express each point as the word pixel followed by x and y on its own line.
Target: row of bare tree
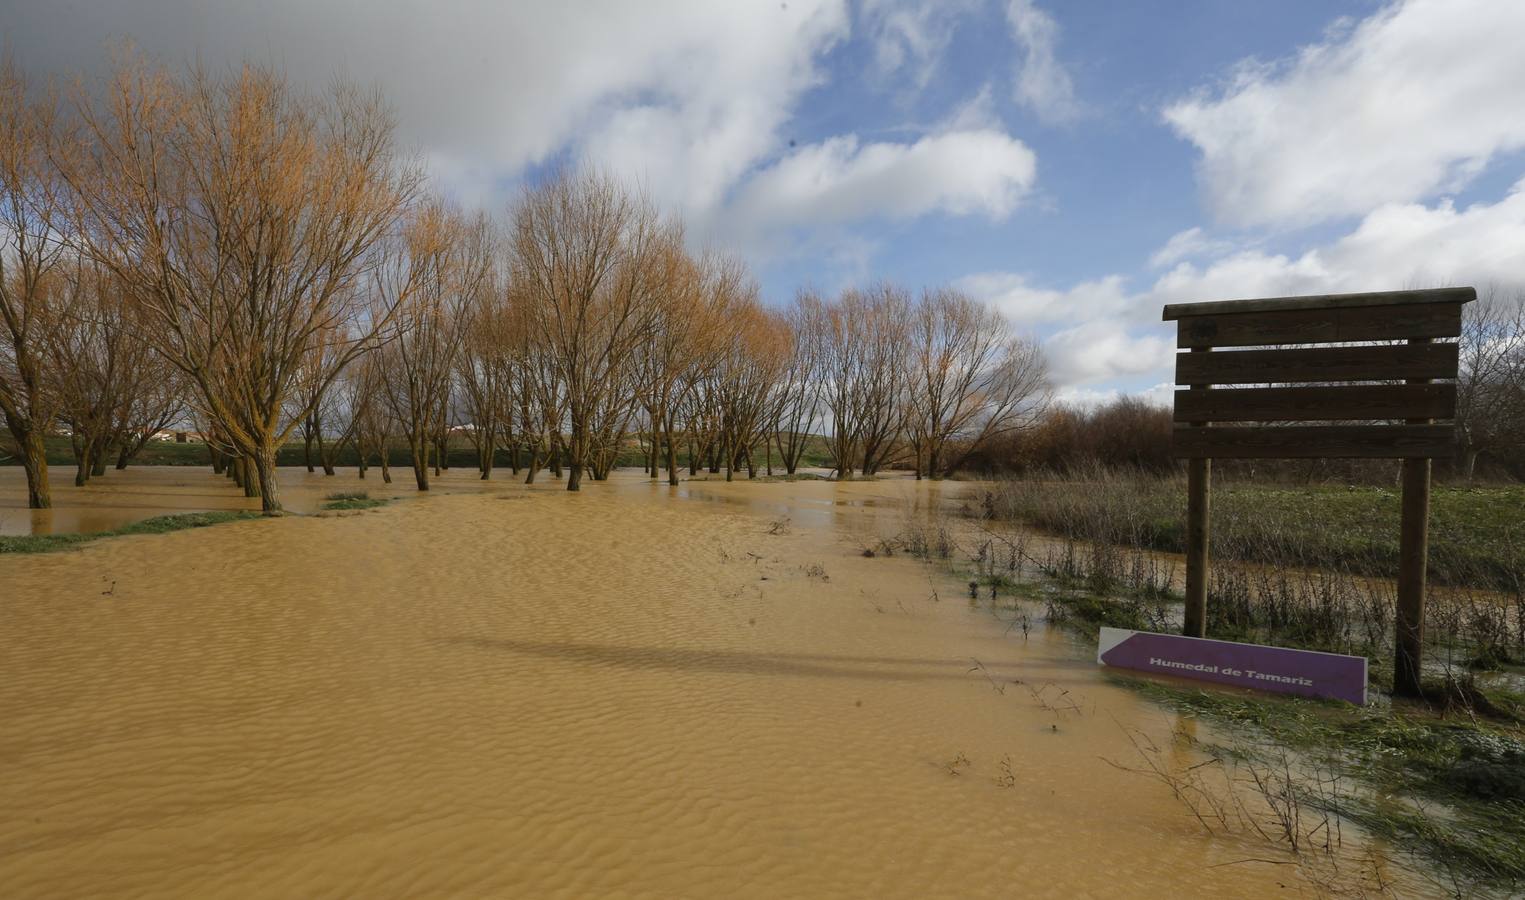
pixel 599 327
pixel 264 263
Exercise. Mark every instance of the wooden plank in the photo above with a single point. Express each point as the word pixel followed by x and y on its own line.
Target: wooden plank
pixel 1381 362
pixel 1317 404
pixel 1199 503
pixel 1317 326
pixel 1175 311
pixel 1312 441
pixel 1413 555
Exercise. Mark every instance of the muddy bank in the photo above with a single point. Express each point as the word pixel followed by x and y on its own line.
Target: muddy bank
pixel 521 692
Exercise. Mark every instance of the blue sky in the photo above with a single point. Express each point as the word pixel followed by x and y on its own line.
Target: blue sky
pixel 1075 163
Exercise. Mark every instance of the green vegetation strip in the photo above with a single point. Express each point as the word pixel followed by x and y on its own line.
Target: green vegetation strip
pixel 352 500
pixel 48 543
pixel 1474 770
pixel 1477 534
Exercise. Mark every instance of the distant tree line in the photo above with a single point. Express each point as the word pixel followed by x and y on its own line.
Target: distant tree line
pixel 228 254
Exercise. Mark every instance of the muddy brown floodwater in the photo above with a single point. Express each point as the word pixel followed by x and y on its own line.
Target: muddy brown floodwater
pixel 494 690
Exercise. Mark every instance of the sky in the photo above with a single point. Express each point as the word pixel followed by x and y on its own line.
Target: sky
pixel 1074 163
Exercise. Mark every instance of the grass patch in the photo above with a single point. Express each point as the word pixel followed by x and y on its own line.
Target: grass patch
pixel 1477 534
pixel 1088 613
pixel 1408 759
pixel 49 543
pixel 352 500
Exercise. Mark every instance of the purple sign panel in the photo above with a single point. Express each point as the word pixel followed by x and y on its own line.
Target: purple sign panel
pixel 1278 669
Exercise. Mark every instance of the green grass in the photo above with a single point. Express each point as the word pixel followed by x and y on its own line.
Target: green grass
pixel 1477 534
pixel 352 500
pixel 1475 771
pixel 49 543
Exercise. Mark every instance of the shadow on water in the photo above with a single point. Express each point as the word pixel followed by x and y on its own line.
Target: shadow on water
pixel 740 662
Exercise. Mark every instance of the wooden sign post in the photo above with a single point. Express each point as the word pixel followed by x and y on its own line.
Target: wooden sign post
pixel 1370 395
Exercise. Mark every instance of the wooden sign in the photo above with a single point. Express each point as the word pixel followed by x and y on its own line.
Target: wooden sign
pixel 1335 375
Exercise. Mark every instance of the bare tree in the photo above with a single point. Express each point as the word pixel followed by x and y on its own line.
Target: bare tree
pixel 864 345
pixel 31 223
pixel 486 368
pixel 797 392
pixel 686 345
pixel 585 255
pixel 244 217
pixel 432 278
pixel 1490 385
pixel 113 391
pixel 373 424
pixel 971 380
pixel 756 355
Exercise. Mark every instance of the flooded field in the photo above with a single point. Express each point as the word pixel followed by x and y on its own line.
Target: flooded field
pixel 494 690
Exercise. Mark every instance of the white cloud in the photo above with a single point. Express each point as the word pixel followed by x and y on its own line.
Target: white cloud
pixel 1042 82
pixel 1107 333
pixel 1189 244
pixel 690 99
pixel 912 35
pixel 983 172
pixel 1106 349
pixel 686 95
pixel 1398 245
pixel 1409 103
pixel 1024 304
pixel 1161 395
pixel 1084 397
pixel 976 113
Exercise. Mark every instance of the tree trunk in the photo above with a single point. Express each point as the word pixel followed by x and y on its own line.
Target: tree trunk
pixel 487 460
pixel 34 460
pixel 327 458
pixel 269 490
pixel 533 467
pixel 574 475
pixel 672 462
pixel 98 460
pixel 123 458
pixel 248 471
pixel 420 453
pixel 82 462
